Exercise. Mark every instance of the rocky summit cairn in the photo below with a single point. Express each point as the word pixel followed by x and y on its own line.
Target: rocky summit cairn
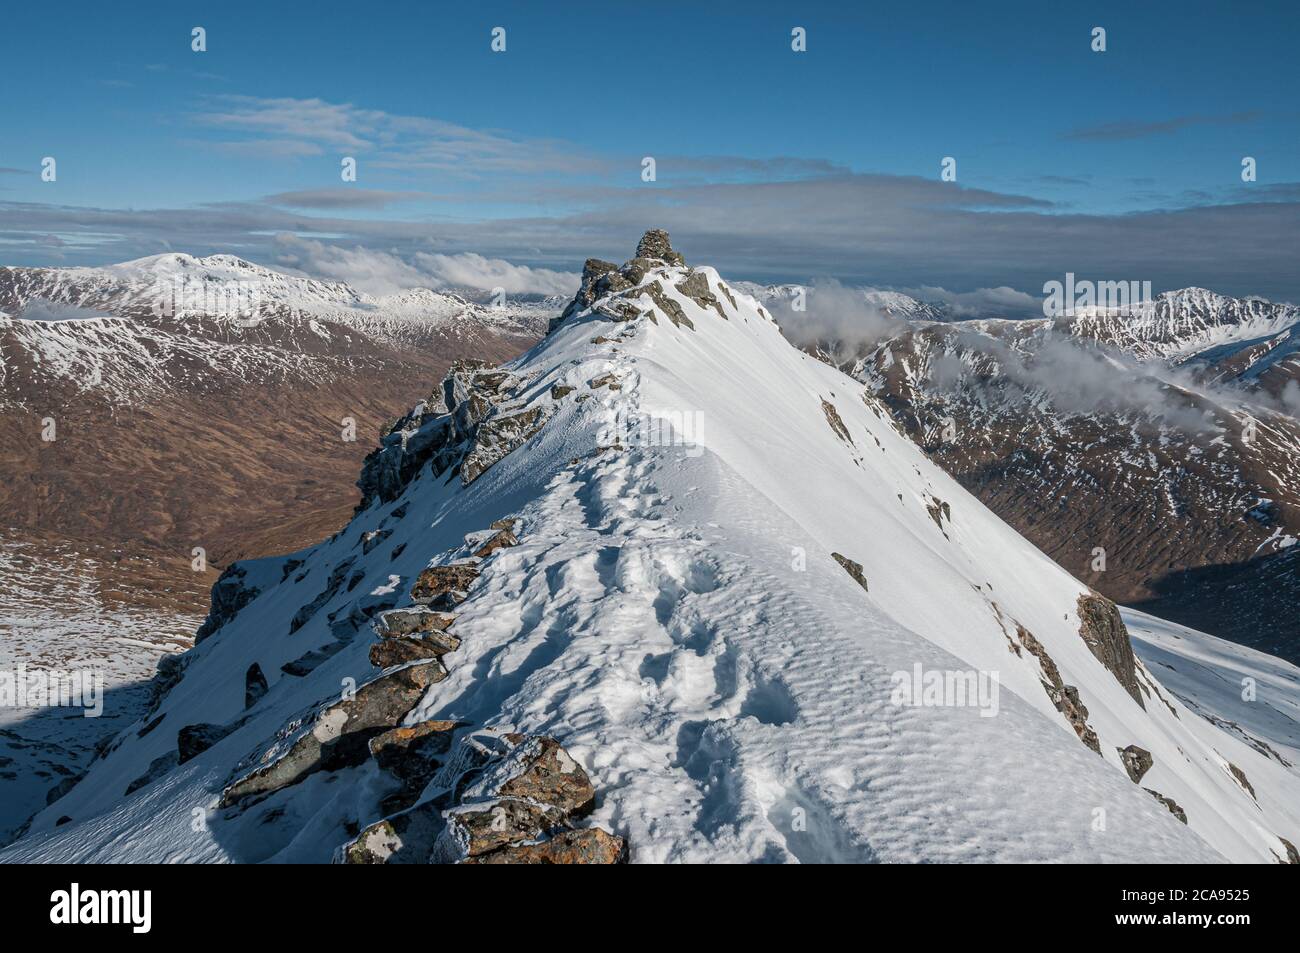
pixel 656 244
pixel 601 278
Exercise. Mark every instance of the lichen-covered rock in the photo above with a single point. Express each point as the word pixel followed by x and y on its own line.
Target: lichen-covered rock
pixel 854 570
pixel 587 846
pixel 535 788
pixel 416 621
pixel 1137 761
pixel 446 585
pixel 412 755
pixel 497 436
pixel 404 838
pixel 501 539
pixel 336 735
pixel 1103 631
pixel 390 652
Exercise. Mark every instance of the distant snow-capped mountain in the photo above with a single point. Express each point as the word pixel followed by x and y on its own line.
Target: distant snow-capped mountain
pixel 174 323
pixel 892 304
pixel 1164 436
pixel 667 587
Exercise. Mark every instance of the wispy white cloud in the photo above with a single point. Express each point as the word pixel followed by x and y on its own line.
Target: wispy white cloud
pixel 384 272
pixel 286 126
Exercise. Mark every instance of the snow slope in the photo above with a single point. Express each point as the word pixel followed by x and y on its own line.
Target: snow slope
pixel 673 614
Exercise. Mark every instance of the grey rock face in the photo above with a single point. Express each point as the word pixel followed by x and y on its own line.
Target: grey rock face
pixel 1064 697
pixel 854 569
pixel 337 734
pixel 1137 761
pixel 255 685
pixel 1170 803
pixel 696 287
pixel 656 244
pixel 230 593
pixel 1103 630
pixel 667 305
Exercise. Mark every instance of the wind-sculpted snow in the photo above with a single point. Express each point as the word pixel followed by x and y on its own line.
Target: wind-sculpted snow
pixel 711 597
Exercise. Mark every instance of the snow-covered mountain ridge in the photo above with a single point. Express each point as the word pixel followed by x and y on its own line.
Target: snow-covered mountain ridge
pixel 699 560
pixel 136 331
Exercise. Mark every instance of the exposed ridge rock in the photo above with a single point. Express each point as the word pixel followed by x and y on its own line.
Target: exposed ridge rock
pixel 501 796
pixel 336 735
pixel 230 593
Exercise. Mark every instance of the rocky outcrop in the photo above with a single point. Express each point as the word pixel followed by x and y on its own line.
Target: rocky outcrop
pixel 656 245
pixel 1292 855
pixel 480 419
pixel 939 511
pixel 255 686
pixel 497 436
pixel 1241 779
pixel 444 586
pixel 837 424
pixel 157 768
pixel 408 635
pixel 1169 803
pixel 589 846
pixel 854 570
pixel 230 593
pixel 696 287
pixel 193 740
pixel 1103 631
pixel 1137 761
pixel 671 309
pixel 503 538
pixel 336 735
pixel 1064 697
pixel 412 755
pixel 506 799
pixel 331 589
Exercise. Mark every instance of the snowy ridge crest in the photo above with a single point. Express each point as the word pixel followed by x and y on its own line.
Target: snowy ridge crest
pixel 623 648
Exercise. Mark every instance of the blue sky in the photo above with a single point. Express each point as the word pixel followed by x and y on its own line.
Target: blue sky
pixel 770 164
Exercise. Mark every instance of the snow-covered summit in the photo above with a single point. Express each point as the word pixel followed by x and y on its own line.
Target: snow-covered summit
pixel 760 621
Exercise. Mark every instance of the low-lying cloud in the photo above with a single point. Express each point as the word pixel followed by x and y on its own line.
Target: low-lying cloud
pixel 381 273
